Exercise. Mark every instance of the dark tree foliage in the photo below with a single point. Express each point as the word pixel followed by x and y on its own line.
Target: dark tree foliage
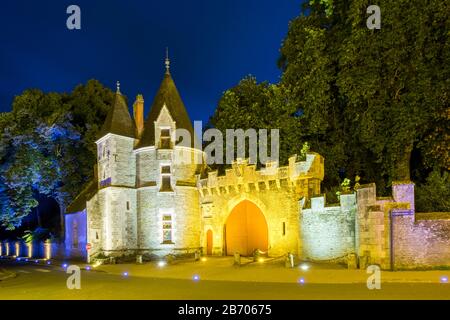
pixel 364 99
pixel 47 147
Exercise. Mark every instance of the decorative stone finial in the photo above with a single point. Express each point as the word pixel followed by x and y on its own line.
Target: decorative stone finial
pixel 167 62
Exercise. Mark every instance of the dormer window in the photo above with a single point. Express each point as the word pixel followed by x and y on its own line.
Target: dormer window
pixel 164 139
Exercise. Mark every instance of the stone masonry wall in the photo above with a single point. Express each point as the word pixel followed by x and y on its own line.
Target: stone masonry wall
pixel 328 233
pixel 75 234
pixel 391 234
pixel 274 190
pixel 277 205
pixel 123 161
pixel 423 241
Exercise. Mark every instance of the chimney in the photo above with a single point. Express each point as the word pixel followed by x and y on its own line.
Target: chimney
pixel 138 111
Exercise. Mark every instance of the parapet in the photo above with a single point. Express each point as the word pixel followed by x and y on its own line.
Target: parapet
pixel 241 172
pixel 346 202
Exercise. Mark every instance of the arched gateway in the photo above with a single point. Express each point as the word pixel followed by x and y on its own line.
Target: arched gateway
pixel 246 230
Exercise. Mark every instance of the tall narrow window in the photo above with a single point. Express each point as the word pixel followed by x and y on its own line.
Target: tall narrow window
pixel 284 228
pixel 166 185
pixel 128 205
pixel 75 234
pixel 165 139
pixel 167 228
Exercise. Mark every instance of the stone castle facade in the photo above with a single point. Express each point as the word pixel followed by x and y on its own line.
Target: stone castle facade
pixel 143 201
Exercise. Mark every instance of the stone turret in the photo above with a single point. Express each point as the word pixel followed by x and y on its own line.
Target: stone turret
pixel 115 158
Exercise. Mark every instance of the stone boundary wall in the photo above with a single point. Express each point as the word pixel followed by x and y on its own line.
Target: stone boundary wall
pixel 391 234
pixel 328 233
pixel 420 243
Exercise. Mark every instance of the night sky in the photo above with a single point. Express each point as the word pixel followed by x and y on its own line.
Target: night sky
pixel 212 44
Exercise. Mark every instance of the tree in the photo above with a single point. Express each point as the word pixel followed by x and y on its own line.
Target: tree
pixel 259 106
pixel 309 62
pixel 364 99
pixel 48 147
pixel 395 80
pixel 434 195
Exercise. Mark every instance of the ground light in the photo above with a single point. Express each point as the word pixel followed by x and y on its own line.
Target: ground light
pixel 261 260
pixel 301 281
pixel 161 264
pixel 304 267
pixel 64 265
pixel 203 259
pixel 36 261
pixel 125 274
pixel 196 277
pixel 88 268
pixel 49 262
pixel 444 279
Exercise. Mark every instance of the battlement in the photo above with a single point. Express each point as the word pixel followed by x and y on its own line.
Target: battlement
pixel 242 173
pixel 346 202
pixel 402 197
pixel 328 231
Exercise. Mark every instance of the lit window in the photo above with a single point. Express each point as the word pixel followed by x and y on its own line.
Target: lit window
pixel 166 185
pixel 167 228
pixel 165 139
pixel 165 169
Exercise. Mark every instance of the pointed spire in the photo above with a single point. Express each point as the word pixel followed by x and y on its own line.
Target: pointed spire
pixel 169 97
pixel 167 61
pixel 118 120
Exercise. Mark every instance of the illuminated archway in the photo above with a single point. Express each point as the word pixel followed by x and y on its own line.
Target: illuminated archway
pixel 246 230
pixel 209 242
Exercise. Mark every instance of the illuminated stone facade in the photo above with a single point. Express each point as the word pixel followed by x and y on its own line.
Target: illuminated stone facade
pixel 275 192
pixel 145 201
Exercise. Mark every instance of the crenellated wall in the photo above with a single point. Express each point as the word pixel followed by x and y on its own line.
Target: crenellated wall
pixel 328 232
pixel 274 190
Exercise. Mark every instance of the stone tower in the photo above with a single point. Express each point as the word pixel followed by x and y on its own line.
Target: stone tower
pixel 112 216
pixel 168 200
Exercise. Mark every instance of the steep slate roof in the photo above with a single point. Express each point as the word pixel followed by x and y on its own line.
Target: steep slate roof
pixel 79 203
pixel 168 95
pixel 118 120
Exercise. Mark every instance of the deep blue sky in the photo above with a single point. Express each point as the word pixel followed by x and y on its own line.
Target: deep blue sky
pixel 212 44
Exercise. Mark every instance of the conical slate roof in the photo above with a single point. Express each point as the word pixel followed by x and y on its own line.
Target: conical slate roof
pixel 168 95
pixel 118 120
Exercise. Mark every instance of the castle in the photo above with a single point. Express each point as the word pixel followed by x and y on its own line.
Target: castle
pixel 142 201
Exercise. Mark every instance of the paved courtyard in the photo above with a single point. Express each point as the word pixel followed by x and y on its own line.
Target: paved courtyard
pixel 215 278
